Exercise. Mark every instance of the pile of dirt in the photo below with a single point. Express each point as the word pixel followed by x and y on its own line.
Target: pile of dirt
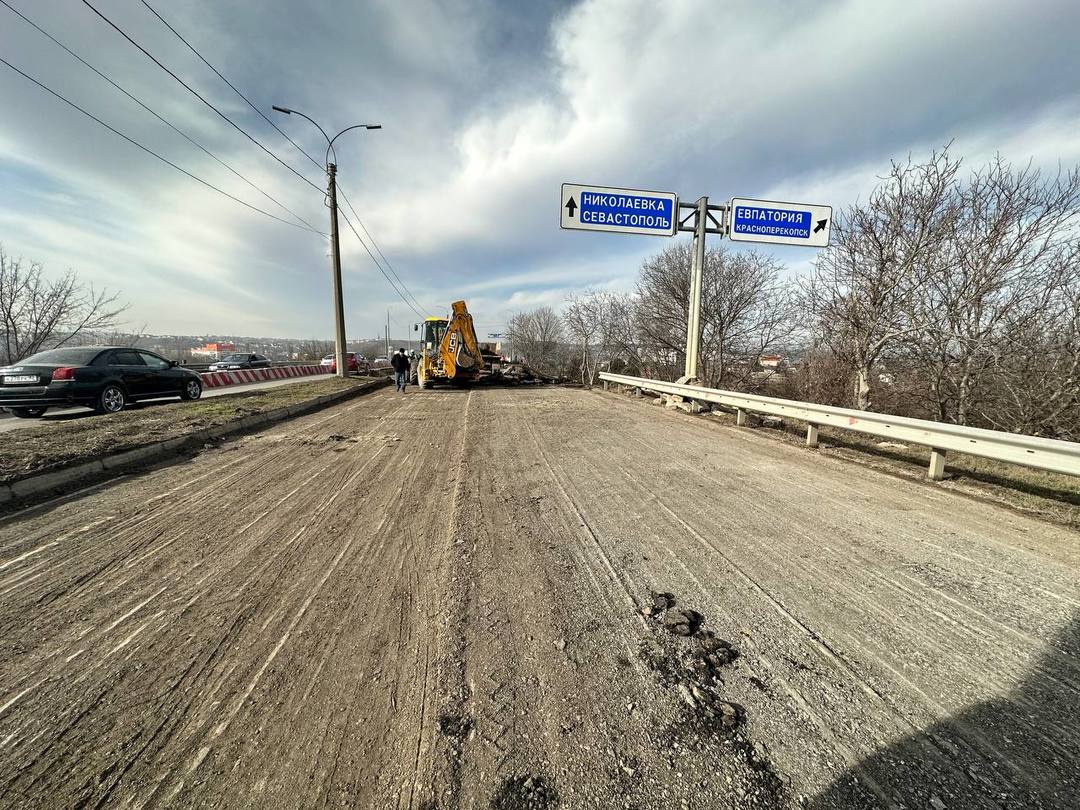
pixel 693 668
pixel 529 792
pixel 456 726
pixel 691 661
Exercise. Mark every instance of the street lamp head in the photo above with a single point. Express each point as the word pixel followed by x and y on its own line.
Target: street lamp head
pixel 285 110
pixel 373 126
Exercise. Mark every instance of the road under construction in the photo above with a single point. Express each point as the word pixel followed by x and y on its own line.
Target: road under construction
pixel 533 597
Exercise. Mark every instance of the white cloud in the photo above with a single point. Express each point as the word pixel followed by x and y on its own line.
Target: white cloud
pixel 461 186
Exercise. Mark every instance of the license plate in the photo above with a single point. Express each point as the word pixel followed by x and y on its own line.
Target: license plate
pixel 20 378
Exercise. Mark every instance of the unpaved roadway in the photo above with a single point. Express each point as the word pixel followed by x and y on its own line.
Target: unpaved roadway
pixel 436 601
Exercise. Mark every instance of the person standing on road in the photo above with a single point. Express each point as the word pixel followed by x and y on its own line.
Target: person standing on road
pixel 400 362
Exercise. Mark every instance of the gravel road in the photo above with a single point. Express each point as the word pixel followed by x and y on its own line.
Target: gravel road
pixel 533 598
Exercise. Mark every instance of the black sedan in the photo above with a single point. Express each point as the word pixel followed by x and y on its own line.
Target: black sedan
pixel 105 378
pixel 237 361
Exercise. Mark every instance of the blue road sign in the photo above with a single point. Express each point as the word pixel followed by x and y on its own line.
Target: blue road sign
pixel 619 210
pixel 779 223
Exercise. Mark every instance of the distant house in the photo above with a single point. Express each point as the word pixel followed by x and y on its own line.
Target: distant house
pixel 771 361
pixel 215 350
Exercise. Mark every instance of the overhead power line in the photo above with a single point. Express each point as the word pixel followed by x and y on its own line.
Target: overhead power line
pixel 263 115
pixel 161 118
pixel 375 244
pixel 197 95
pixel 381 270
pixel 251 104
pixel 149 151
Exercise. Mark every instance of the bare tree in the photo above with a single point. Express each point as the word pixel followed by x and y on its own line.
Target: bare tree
pixel 745 311
pixel 592 319
pixel 863 284
pixel 313 350
pixel 1033 381
pixel 37 312
pixel 538 337
pixel 995 261
pixel 663 300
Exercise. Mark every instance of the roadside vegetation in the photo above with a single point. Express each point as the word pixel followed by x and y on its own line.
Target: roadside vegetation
pixel 947 294
pixel 42 312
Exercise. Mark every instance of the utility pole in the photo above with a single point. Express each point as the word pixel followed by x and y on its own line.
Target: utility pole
pixel 335 257
pixel 388 333
pixel 335 248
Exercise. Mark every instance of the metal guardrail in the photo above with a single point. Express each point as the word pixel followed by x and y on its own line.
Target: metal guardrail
pixel 1013 448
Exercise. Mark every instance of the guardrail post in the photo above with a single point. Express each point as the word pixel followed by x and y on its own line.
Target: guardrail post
pixel 605 385
pixel 936 470
pixel 1053 455
pixel 740 417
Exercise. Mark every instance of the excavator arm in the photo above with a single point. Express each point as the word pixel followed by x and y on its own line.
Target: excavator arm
pixel 459 349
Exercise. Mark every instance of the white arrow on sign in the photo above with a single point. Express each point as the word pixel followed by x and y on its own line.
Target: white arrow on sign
pixel 779 223
pixel 618 210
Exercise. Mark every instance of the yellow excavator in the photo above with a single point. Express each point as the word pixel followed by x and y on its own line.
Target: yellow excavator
pixel 448 349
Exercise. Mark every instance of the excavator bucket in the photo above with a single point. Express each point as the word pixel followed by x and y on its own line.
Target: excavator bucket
pixel 460 351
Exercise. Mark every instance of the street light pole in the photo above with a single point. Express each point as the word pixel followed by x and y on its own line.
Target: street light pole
pixel 335 262
pixel 335 245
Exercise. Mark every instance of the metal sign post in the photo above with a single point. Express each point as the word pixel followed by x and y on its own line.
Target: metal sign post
pixel 704 221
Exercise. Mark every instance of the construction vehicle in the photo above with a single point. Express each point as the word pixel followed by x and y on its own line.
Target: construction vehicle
pixel 448 349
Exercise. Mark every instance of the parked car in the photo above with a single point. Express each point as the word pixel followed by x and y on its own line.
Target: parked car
pixel 239 360
pixel 381 362
pixel 329 360
pixel 105 378
pixel 355 363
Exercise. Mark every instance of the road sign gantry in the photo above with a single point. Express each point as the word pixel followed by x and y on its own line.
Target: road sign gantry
pixel 658 213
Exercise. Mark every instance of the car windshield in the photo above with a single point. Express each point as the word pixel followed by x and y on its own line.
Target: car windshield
pixel 62 357
pixel 233 358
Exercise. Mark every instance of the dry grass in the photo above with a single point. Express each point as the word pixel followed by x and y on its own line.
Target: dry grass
pixel 52 445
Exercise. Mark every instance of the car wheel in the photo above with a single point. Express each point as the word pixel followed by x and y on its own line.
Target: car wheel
pixel 192 390
pixel 29 413
pixel 112 399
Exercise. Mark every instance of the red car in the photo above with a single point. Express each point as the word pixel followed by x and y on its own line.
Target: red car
pixel 355 363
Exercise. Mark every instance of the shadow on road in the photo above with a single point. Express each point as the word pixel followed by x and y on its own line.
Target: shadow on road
pixel 1018 751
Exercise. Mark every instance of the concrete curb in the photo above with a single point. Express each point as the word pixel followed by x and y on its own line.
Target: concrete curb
pixel 86 472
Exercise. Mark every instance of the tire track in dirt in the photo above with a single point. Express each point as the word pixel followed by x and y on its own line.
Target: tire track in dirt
pixel 295 619
pixel 241 624
pixel 882 617
pixel 703 514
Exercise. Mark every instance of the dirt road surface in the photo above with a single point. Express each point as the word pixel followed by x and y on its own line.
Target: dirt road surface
pixel 439 600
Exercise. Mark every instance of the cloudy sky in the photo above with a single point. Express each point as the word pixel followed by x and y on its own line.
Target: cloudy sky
pixel 486 107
